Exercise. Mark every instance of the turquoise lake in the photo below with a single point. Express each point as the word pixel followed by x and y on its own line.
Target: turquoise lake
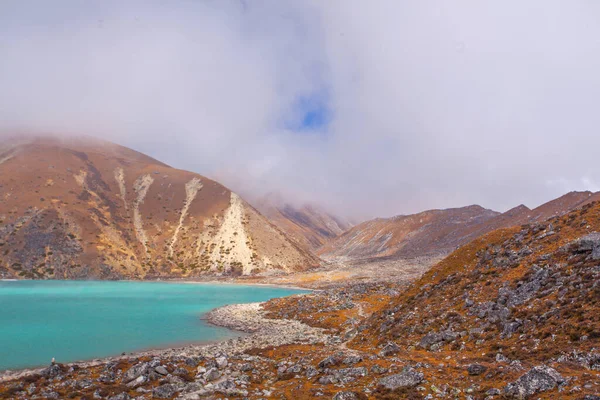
pixel 80 320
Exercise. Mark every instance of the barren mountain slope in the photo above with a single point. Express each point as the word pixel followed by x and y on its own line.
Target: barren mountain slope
pixel 428 233
pixel 438 232
pixel 84 208
pixel 511 304
pixel 308 225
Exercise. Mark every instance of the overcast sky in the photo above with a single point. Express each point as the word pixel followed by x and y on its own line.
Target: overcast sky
pixel 371 108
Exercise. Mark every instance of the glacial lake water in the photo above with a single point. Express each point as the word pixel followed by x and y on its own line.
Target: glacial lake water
pixel 81 320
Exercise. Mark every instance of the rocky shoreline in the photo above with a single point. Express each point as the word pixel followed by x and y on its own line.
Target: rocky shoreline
pixel 247 318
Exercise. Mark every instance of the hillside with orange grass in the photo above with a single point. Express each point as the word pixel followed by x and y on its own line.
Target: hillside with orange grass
pixel 81 208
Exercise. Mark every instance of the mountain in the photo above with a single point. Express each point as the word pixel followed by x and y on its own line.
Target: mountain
pixel 428 233
pixel 437 232
pixel 512 309
pixel 309 225
pixel 83 208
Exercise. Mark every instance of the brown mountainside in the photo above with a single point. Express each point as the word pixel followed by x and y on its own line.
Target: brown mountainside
pixel 428 233
pixel 309 225
pixel 84 208
pixel 438 232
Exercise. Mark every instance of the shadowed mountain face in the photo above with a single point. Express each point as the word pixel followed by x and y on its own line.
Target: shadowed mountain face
pixel 309 225
pixel 437 232
pixel 84 208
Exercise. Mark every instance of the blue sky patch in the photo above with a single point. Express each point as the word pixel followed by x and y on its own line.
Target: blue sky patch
pixel 310 113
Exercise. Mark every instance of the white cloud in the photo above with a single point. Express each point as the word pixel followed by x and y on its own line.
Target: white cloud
pixel 432 104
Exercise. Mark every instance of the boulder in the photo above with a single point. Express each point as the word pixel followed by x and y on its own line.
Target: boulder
pixel 212 375
pixel 430 339
pixel 476 369
pixel 537 379
pixel 161 370
pixel 407 378
pixel 329 362
pixel 120 396
pixel 389 349
pixel 345 396
pixel 135 371
pixel 52 371
pixel 221 362
pixel 164 392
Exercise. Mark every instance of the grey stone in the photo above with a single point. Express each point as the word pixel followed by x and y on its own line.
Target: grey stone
pixel 139 381
pixel 120 396
pixel 430 339
pixel 84 383
pixel 135 371
pixel 329 362
pixel 537 379
pixel 589 242
pixel 164 392
pixel 161 370
pixel 376 369
pixel 345 396
pixel 352 360
pixel 407 378
pixel 311 372
pixel 52 371
pixel 212 375
pixel 476 369
pixel 354 372
pixel 221 362
pixel 389 349
pixel 327 380
pixel 51 395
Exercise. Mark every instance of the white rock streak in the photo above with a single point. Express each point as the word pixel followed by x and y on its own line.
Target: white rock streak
pixel 191 190
pixel 120 178
pixel 141 186
pixel 232 236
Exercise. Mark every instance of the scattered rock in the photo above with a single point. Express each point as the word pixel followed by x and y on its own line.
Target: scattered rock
pixel 164 392
pixel 161 370
pixel 407 378
pixel 345 396
pixel 389 349
pixel 120 396
pixel 135 371
pixel 212 375
pixel 329 362
pixel 476 369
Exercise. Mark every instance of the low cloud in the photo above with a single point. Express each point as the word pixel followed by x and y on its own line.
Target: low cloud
pixel 414 105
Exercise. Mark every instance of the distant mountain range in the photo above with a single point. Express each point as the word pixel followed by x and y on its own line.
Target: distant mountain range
pixel 438 232
pixel 84 208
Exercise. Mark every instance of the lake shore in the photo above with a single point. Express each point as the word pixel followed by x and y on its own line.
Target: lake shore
pixel 249 318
